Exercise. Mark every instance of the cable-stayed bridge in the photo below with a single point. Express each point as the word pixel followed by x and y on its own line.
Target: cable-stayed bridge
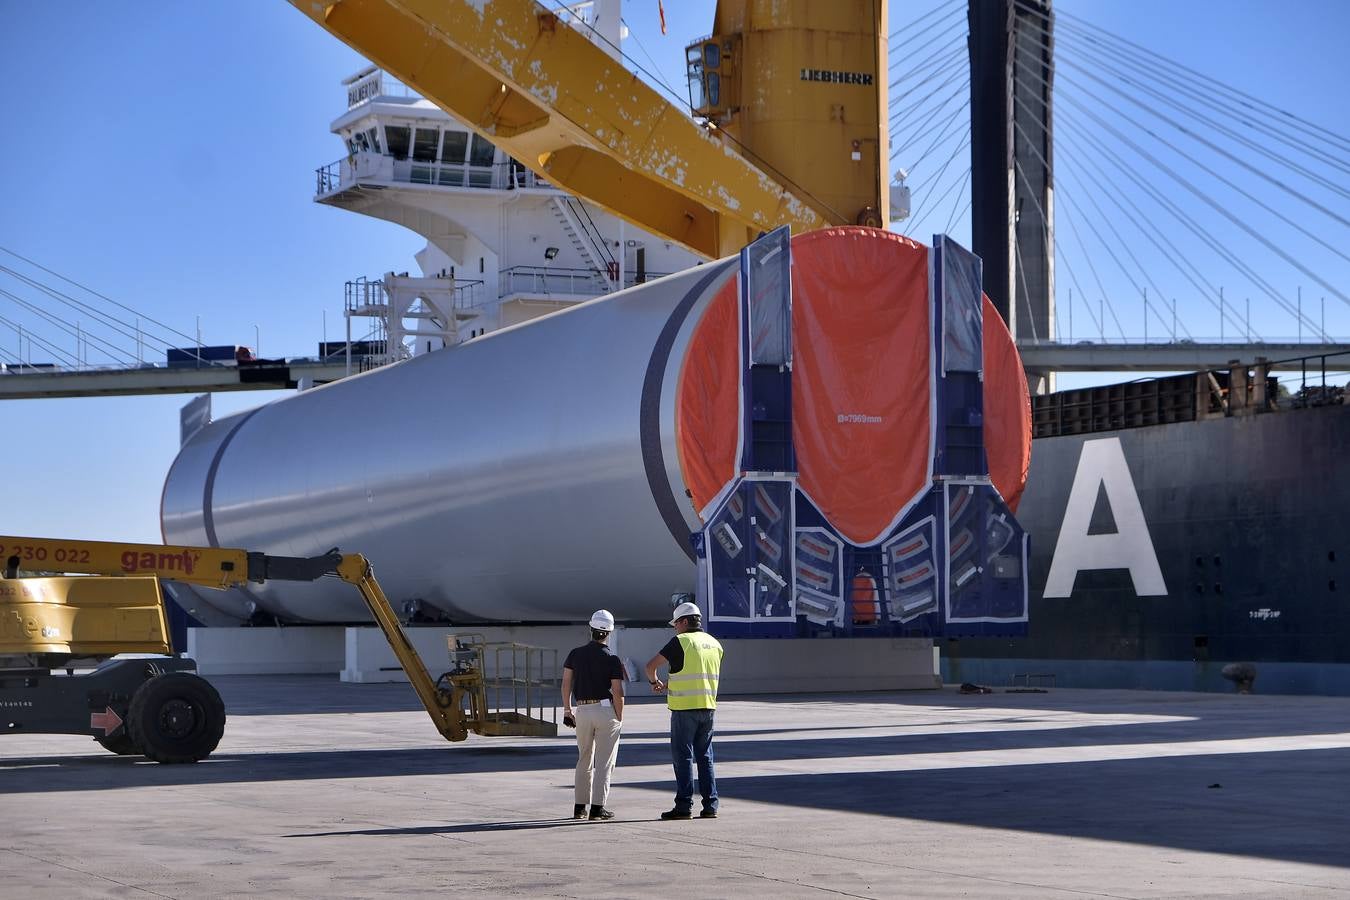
pixel 89 344
pixel 1135 215
pixel 1133 212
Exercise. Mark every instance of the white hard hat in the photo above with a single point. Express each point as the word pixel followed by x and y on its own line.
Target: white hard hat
pixel 685 609
pixel 603 620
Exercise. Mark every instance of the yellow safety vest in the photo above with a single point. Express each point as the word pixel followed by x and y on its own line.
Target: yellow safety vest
pixel 695 685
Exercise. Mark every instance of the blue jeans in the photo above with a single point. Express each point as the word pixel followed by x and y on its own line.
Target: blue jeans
pixel 691 732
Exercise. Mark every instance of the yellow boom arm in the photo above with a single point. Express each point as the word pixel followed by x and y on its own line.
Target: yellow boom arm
pixel 548 96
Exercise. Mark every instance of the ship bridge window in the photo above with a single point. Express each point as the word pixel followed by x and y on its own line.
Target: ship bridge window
pixel 359 141
pixel 373 136
pixel 398 137
pixel 424 144
pixel 480 162
pixel 694 63
pixel 453 145
pixel 480 154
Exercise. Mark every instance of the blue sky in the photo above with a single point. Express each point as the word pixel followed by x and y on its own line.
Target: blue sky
pixel 163 153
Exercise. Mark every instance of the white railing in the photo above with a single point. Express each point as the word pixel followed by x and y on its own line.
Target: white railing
pixel 470 294
pixel 570 283
pixel 365 294
pixel 345 173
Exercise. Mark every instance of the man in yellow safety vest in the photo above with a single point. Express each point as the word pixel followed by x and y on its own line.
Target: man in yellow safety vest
pixel 695 661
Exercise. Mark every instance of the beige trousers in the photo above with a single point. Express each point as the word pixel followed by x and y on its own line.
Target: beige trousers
pixel 597 749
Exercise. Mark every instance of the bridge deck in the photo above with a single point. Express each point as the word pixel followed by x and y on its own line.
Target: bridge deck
pixel 1179 356
pixel 50 383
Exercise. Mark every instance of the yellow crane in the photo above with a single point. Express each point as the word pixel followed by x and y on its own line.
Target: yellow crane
pixel 791 97
pixel 157 706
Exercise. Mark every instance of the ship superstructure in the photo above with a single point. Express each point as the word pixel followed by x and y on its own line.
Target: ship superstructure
pixel 503 245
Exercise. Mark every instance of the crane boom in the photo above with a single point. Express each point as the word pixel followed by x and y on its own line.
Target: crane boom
pixel 552 99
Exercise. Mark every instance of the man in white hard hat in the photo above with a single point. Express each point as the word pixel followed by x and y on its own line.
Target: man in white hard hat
pixel 594 676
pixel 695 661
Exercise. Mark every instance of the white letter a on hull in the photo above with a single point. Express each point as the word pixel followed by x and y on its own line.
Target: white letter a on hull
pixel 1102 463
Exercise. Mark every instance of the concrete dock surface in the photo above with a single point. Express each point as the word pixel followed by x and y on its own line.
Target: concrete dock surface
pixel 331 790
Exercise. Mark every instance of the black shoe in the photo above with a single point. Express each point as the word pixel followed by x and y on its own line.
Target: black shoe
pixel 677 813
pixel 600 813
pixel 579 811
pixel 708 813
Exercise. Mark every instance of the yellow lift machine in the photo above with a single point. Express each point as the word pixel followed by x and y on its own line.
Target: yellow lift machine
pixel 153 703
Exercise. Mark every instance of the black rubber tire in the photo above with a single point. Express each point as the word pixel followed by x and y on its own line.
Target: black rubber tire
pixel 176 718
pixel 122 744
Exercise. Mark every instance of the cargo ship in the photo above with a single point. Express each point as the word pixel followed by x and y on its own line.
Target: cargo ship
pixel 1176 525
pixel 1180 525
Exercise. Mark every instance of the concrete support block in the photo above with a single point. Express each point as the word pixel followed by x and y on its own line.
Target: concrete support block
pixel 369 659
pixel 304 650
pixel 361 655
pixel 829 665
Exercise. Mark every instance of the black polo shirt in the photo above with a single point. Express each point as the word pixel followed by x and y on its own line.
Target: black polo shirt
pixel 593 667
pixel 673 651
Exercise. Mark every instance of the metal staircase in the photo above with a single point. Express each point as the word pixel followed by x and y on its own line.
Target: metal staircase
pixel 590 246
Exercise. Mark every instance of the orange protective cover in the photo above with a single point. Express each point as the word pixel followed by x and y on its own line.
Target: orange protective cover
pixel 1007 410
pixel 707 400
pixel 860 399
pixel 860 383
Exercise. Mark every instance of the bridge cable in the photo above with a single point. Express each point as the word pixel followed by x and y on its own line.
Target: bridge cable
pixel 97 294
pixel 915 218
pixel 1078 178
pixel 941 55
pixel 55 351
pixel 955 6
pixel 961 192
pixel 1195 76
pixel 1039 121
pixel 63 298
pixel 941 127
pixel 1207 200
pixel 939 76
pixel 1204 237
pixel 1192 159
pixel 1108 65
pixel 1217 149
pixel 77 332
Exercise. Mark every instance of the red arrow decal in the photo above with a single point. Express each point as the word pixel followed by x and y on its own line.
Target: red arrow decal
pixel 109 721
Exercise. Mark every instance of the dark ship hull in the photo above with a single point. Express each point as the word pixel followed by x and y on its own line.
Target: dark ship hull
pixel 1235 550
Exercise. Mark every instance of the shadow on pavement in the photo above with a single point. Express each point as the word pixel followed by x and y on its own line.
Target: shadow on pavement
pixel 476 828
pixel 1283 805
pixel 1278 804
